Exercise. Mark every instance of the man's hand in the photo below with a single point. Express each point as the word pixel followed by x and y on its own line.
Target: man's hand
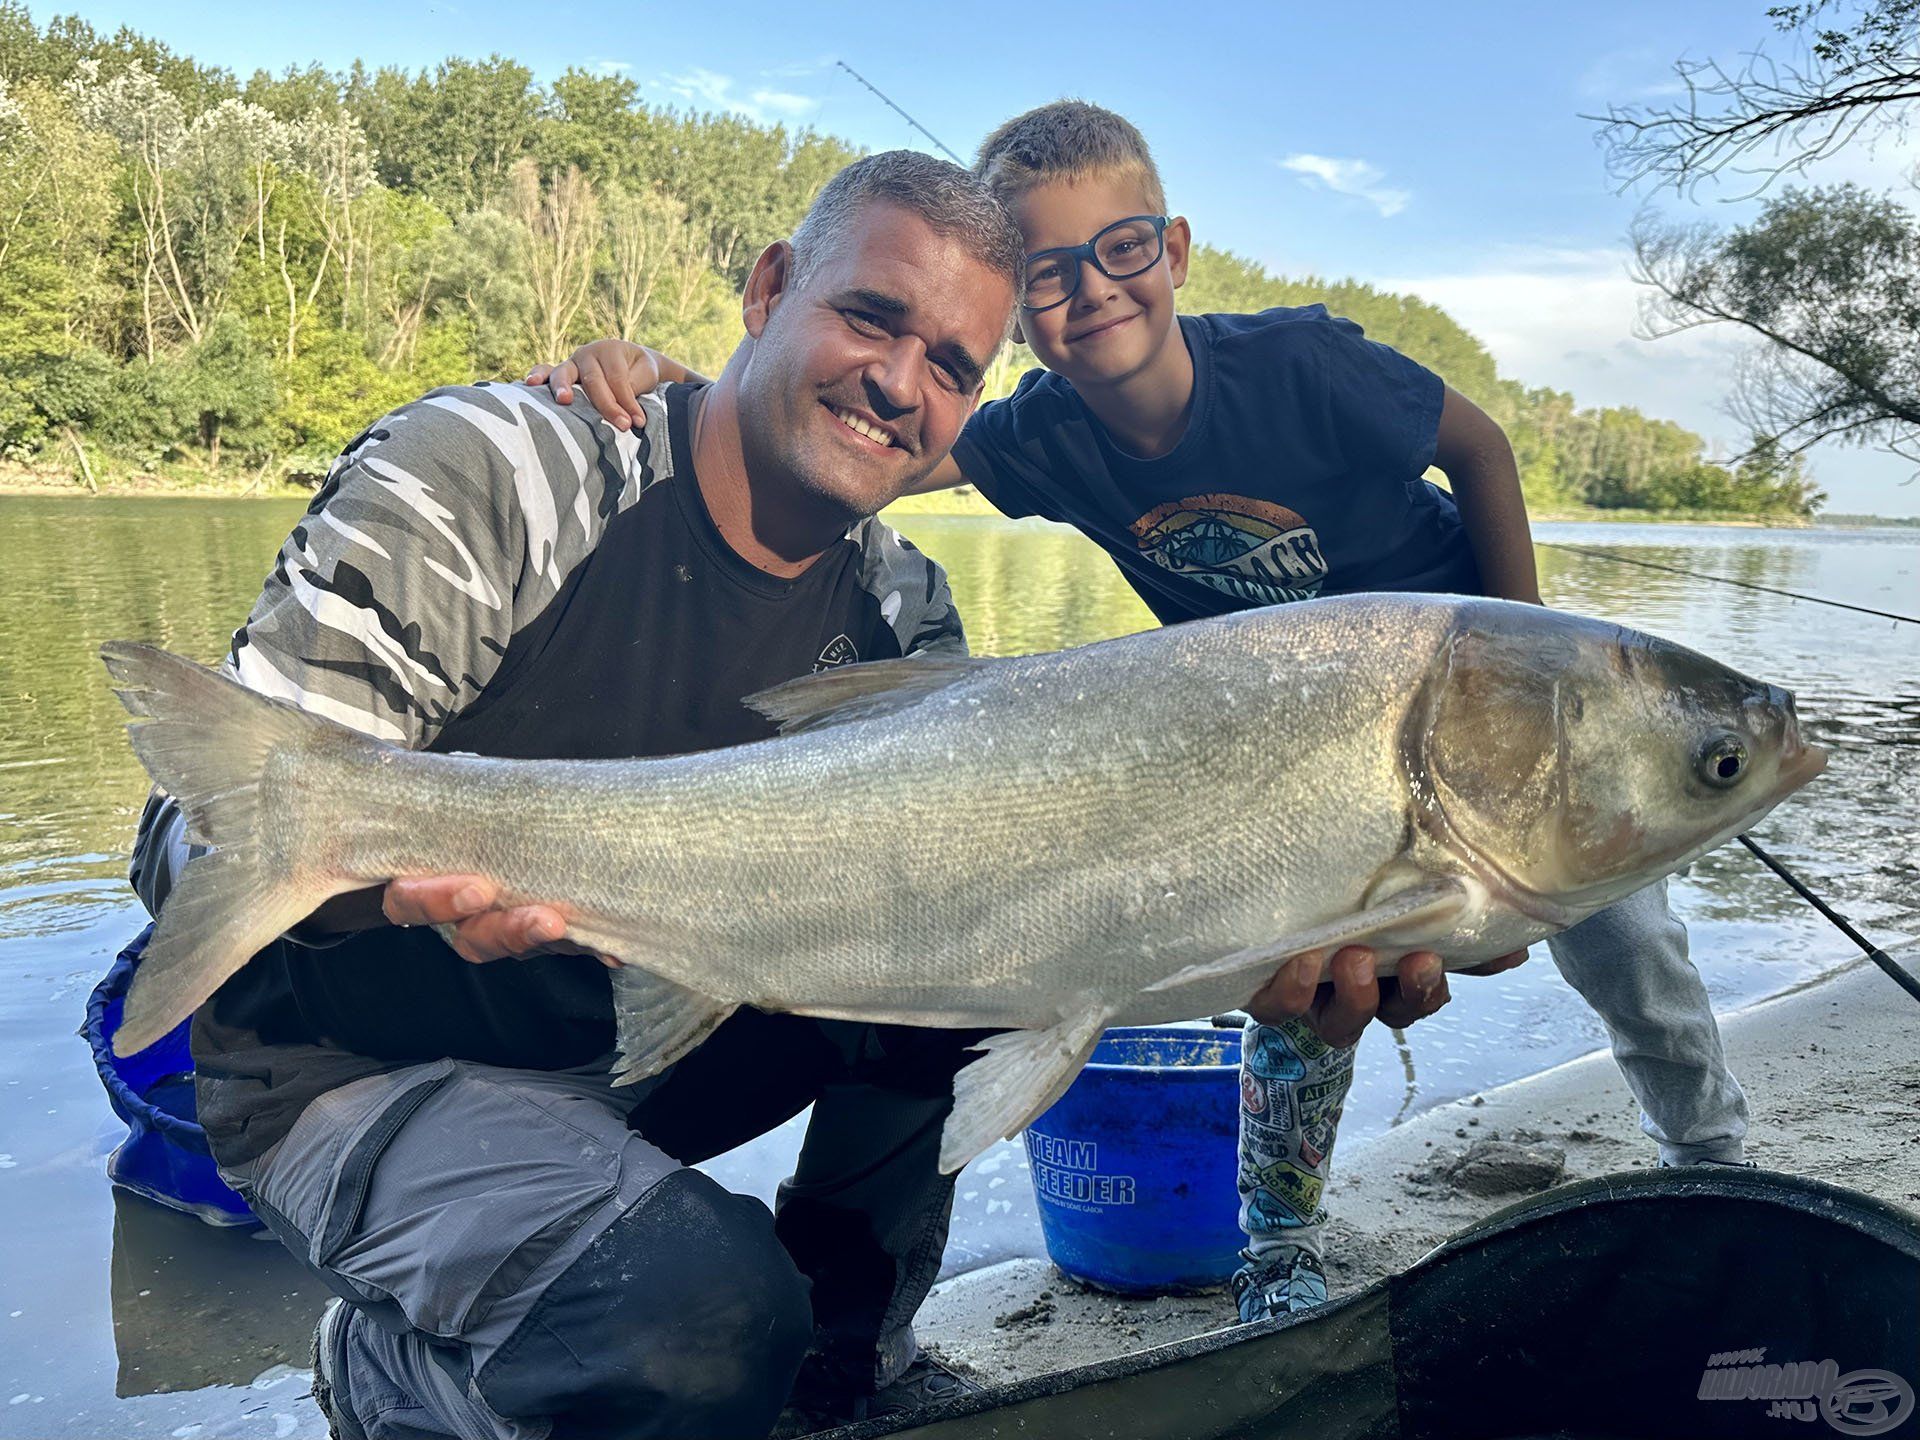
pixel 1339 1009
pixel 481 929
pixel 614 373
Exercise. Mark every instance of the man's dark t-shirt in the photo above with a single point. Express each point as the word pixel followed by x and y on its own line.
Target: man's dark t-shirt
pixel 1300 473
pixel 644 639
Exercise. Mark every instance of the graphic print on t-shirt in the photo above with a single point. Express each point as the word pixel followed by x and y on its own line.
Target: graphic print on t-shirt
pixel 1253 550
pixel 840 651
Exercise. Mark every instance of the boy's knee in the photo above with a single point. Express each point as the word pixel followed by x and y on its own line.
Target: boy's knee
pixel 684 1317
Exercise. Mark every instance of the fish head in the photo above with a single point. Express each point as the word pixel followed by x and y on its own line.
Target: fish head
pixel 1571 761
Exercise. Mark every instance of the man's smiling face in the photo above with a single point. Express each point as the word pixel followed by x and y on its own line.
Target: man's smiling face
pixel 864 371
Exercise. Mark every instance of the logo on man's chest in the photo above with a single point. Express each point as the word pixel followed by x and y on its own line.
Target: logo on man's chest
pixel 840 651
pixel 1253 550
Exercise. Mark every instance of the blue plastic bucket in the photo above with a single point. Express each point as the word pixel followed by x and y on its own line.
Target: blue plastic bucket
pixel 1133 1167
pixel 165 1155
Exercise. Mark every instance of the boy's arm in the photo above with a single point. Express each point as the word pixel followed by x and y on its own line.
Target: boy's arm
pixel 1473 451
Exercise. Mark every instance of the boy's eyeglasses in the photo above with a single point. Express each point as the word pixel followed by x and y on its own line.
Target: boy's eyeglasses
pixel 1119 252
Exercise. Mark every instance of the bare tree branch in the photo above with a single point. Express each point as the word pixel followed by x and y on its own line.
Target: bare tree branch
pixel 1767 118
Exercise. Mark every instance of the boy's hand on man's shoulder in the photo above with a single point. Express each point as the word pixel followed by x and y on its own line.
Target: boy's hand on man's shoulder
pixel 613 372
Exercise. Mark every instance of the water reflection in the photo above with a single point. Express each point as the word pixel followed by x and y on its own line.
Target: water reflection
pixel 197 1305
pixel 1027 585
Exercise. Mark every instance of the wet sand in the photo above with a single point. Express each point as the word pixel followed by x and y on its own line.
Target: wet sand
pixel 1832 1074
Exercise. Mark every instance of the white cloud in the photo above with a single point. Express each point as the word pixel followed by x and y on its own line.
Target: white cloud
pixel 1627 77
pixel 714 91
pixel 784 102
pixel 796 68
pixel 1348 177
pixel 1567 317
pixel 609 67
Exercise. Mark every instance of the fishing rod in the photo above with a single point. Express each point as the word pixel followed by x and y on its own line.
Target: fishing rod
pixel 1604 554
pixel 1900 974
pixel 901 113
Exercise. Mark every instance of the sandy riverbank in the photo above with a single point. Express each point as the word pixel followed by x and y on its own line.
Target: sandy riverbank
pixel 1832 1073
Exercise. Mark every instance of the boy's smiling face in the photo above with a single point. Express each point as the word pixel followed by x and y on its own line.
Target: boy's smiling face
pixel 1108 331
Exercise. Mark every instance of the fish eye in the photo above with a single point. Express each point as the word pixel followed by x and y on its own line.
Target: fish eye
pixel 1723 761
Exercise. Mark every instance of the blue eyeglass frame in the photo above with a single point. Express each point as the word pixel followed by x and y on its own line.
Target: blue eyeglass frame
pixel 1089 254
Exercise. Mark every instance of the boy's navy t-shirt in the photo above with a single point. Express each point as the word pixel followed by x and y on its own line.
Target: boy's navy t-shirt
pixel 1299 474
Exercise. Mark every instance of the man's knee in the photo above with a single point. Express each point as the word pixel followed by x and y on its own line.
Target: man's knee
pixel 684 1317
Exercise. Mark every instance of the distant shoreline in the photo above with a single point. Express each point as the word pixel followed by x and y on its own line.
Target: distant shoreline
pixel 963 501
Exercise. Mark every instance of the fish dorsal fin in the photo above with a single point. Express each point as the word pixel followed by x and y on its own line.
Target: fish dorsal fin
pixel 860 692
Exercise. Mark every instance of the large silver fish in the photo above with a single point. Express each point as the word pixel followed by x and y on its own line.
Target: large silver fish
pixel 1125 833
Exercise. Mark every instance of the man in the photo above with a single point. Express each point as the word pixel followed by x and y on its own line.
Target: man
pixel 520 1246
pixel 486 571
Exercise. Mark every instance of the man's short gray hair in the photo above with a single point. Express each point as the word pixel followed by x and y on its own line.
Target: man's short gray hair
pixel 952 201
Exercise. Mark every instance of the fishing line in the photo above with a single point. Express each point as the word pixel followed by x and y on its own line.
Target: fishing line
pixel 1900 974
pixel 1603 554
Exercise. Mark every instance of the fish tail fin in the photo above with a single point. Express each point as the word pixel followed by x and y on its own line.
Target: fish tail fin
pixel 206 740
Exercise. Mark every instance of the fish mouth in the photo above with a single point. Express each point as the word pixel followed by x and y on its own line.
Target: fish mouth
pixel 1798 767
pixel 1799 762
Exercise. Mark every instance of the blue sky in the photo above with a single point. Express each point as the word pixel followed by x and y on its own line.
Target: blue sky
pixel 1445 156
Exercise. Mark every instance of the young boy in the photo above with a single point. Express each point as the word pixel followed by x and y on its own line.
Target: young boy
pixel 1229 461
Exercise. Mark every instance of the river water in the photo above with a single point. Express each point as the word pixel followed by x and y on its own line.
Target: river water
pixel 120 1318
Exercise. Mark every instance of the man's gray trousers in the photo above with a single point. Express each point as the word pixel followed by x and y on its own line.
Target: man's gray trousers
pixel 527 1254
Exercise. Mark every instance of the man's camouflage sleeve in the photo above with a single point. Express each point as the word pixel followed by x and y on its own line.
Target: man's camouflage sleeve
pixel 438 532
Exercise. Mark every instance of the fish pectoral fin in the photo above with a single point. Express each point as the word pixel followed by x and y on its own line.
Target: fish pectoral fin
pixel 860 692
pixel 657 1020
pixel 1407 917
pixel 1018 1075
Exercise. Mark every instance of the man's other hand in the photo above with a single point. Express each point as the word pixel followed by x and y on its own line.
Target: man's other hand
pixel 475 924
pixel 1340 1006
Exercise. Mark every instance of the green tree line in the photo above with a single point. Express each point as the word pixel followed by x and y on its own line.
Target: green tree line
pixel 200 272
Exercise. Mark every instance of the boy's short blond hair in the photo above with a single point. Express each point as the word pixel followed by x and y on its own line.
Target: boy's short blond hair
pixel 1067 140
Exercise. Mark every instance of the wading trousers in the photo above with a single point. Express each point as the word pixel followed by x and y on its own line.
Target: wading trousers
pixel 1628 961
pixel 526 1253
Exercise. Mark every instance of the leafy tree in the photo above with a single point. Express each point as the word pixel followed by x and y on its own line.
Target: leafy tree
pixel 559 235
pixel 56 54
pixel 452 136
pixel 226 387
pixel 295 94
pixel 1830 278
pixel 597 124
